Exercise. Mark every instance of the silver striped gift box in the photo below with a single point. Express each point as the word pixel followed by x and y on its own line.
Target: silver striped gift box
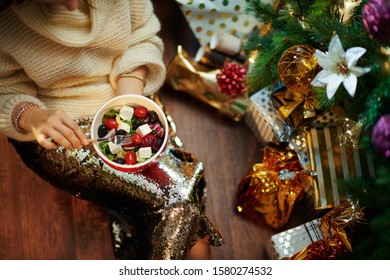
pixel 287 243
pixel 261 117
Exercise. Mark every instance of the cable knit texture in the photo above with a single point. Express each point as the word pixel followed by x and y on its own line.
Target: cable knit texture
pixel 70 60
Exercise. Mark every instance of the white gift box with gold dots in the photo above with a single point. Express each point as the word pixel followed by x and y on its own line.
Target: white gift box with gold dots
pixel 207 17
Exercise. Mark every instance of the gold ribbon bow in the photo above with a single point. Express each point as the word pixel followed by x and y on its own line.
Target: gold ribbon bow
pixel 296 99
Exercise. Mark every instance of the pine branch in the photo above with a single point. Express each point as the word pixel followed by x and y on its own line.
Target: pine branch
pixel 264 12
pixel 264 72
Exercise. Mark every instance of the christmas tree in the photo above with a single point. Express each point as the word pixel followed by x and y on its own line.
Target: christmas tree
pixel 352 45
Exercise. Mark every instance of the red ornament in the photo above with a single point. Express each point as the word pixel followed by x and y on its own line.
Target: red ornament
pixel 231 79
pixel 376 19
pixel 380 136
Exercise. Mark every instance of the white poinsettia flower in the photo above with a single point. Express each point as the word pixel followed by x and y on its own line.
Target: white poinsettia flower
pixel 339 66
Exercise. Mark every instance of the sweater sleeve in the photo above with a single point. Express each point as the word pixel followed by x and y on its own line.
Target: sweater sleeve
pixel 15 87
pixel 145 47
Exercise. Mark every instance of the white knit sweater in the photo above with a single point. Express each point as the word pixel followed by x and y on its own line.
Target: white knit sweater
pixel 71 59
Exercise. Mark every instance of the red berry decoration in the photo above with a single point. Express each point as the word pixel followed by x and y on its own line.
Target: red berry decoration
pixel 141 112
pixel 111 123
pixel 137 138
pixel 130 158
pixel 231 79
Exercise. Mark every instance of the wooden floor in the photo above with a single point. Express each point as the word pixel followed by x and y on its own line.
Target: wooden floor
pixel 38 221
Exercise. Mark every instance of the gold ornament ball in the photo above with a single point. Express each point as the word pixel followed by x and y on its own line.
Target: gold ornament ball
pixel 298 67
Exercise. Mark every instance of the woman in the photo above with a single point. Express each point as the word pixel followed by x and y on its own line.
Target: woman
pixel 60 61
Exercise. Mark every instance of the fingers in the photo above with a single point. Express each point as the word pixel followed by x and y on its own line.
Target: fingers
pixel 64 137
pixel 58 126
pixel 74 134
pixel 46 142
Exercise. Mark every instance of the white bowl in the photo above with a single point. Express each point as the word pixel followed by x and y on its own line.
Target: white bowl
pixel 133 100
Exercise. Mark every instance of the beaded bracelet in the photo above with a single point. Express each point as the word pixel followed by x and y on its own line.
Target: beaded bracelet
pixel 142 79
pixel 24 107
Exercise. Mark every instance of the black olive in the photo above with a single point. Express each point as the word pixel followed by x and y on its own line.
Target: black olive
pixel 120 160
pixel 136 123
pixel 102 130
pixel 160 140
pixel 157 144
pixel 121 132
pixel 153 117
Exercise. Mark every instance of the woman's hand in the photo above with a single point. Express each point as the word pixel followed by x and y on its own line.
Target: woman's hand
pixel 53 128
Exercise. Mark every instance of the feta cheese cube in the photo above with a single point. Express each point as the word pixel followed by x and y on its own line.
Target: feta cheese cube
pixel 126 112
pixel 125 127
pixel 143 129
pixel 144 152
pixel 114 148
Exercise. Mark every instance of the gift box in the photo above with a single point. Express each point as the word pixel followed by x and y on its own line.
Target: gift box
pixel 324 249
pixel 261 117
pixel 273 187
pixel 323 238
pixel 184 74
pixel 325 150
pixel 289 242
pixel 337 227
pixel 208 17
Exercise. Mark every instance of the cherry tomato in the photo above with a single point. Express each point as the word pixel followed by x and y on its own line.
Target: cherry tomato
pixel 141 112
pixel 137 138
pixel 111 123
pixel 130 158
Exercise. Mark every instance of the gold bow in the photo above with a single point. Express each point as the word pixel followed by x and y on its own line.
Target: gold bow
pixel 295 99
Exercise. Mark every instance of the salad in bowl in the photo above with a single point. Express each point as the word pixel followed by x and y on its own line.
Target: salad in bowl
pixel 129 132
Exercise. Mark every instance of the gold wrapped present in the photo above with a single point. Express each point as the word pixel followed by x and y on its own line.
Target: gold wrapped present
pixel 326 237
pixel 324 249
pixel 184 74
pixel 274 186
pixel 333 159
pixel 336 227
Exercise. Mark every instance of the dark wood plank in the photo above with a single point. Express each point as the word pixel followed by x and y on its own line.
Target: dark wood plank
pixel 38 221
pixel 91 230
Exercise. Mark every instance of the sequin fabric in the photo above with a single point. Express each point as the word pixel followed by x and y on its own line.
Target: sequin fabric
pixel 155 214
